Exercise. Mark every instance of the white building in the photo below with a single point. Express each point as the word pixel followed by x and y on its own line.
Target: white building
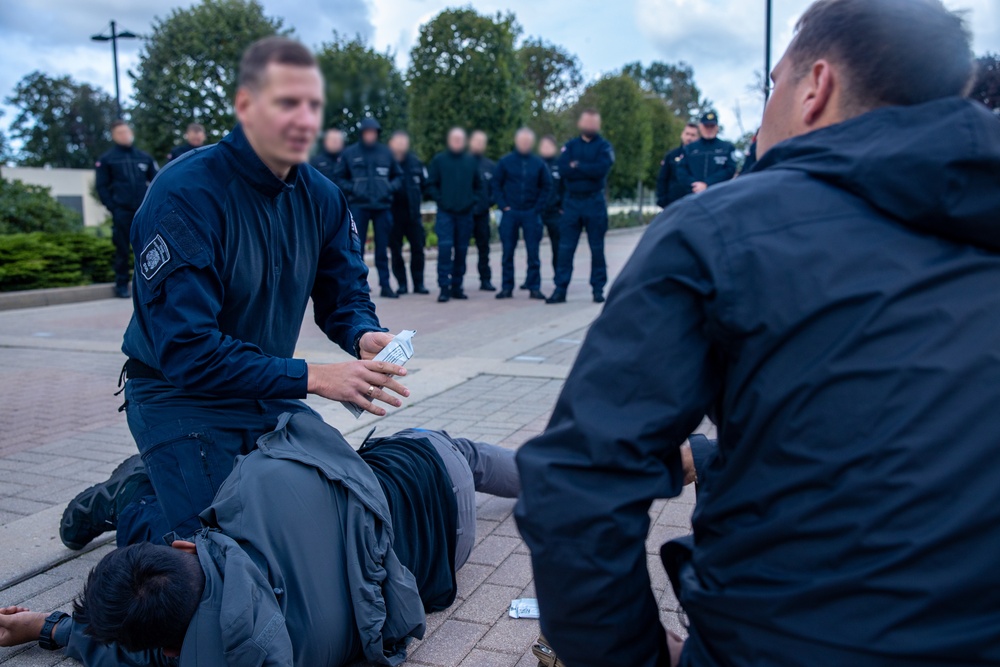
pixel 74 188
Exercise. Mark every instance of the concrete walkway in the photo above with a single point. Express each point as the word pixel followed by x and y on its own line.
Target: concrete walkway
pixel 483 369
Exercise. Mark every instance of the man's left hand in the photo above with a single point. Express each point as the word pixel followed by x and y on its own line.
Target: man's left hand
pixel 372 343
pixel 20 626
pixel 699 186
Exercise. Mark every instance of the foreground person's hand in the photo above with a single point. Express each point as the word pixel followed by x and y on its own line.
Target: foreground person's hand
pixel 372 343
pixel 690 474
pixel 359 382
pixel 19 626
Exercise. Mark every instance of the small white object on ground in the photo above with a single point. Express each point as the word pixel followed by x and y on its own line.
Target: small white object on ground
pixel 523 608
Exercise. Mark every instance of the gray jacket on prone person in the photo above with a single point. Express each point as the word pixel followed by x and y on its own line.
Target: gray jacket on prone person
pixel 264 601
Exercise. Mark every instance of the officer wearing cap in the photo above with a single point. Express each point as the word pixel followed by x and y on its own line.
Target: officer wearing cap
pixel 708 161
pixel 369 175
pixel 668 187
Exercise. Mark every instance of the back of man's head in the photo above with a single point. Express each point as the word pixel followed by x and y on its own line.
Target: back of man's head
pixel 891 52
pixel 141 597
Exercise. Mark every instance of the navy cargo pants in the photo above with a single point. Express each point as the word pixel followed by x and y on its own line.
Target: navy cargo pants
pixel 511 226
pixel 590 213
pixel 381 220
pixel 189 445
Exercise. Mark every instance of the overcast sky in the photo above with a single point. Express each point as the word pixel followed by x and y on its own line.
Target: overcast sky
pixel 721 39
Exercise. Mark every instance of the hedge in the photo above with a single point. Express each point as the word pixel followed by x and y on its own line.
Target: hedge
pixel 31 208
pixel 34 261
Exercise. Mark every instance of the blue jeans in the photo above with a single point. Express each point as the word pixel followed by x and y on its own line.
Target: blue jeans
pixel 189 445
pixel 510 227
pixel 382 222
pixel 454 230
pixel 590 213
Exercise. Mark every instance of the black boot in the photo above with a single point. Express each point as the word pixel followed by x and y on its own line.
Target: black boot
pixel 458 293
pixel 95 510
pixel 402 290
pixel 505 294
pixel 537 294
pixel 387 293
pixel 599 296
pixel 486 286
pixel 420 289
pixel 524 287
pixel 123 292
pixel 445 296
pixel 559 296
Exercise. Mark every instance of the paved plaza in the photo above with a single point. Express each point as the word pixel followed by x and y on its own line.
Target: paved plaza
pixel 484 369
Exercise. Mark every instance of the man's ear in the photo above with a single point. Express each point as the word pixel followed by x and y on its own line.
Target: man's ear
pixel 185 546
pixel 818 95
pixel 242 102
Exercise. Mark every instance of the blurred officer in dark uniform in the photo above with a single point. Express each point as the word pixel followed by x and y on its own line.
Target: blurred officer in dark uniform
pixel 668 187
pixel 369 175
pixel 481 211
pixel 548 150
pixel 708 161
pixel 751 158
pixel 329 153
pixel 406 219
pixel 123 174
pixel 231 245
pixel 194 137
pixel 584 166
pixel 453 182
pixel 521 185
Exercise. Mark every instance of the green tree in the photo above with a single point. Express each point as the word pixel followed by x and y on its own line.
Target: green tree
pixel 553 82
pixel 59 122
pixel 188 67
pixel 987 86
pixel 665 132
pixel 464 71
pixel 673 83
pixel 625 115
pixel 361 82
pixel 31 208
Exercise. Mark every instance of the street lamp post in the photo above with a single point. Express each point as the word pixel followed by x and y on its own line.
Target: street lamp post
pixel 767 53
pixel 113 38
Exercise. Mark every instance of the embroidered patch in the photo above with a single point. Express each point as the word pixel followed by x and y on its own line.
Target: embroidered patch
pixel 354 226
pixel 142 166
pixel 153 258
pixel 721 159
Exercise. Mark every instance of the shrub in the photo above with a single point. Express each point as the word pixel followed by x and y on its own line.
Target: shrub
pixel 34 261
pixel 31 208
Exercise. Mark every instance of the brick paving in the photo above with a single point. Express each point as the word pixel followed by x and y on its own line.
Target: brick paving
pixel 58 371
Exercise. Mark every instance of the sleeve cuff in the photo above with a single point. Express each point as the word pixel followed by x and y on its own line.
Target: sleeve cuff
pixel 64 629
pixel 296 378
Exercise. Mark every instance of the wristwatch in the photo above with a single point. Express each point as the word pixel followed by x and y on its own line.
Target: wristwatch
pixel 45 638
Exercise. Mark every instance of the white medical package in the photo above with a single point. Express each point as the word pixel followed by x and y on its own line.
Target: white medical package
pixel 398 351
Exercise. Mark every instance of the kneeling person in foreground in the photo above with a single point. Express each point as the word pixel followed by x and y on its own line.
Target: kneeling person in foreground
pixel 312 555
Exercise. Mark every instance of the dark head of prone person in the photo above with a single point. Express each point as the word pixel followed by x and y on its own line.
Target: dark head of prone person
pixel 838 336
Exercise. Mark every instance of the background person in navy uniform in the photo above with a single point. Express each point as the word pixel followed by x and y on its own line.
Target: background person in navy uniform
pixel 548 150
pixel 406 218
pixel 369 175
pixel 123 174
pixel 708 161
pixel 521 186
pixel 584 166
pixel 668 186
pixel 481 211
pixel 326 158
pixel 194 137
pixel 453 181
pixel 231 243
pixel 844 338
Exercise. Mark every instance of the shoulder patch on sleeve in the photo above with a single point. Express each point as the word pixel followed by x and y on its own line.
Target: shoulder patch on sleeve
pixel 154 257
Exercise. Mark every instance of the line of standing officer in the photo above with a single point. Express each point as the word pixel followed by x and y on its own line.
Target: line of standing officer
pixel 406 218
pixel 584 166
pixel 669 187
pixel 329 153
pixel 708 161
pixel 521 186
pixel 370 176
pixel 481 211
pixel 123 174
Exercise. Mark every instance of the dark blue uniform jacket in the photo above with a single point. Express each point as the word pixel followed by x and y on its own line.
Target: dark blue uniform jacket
pixel 122 176
pixel 554 204
pixel 227 257
pixel 522 182
pixel 709 161
pixel 845 337
pixel 594 160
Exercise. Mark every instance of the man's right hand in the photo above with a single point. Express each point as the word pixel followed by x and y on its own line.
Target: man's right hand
pixel 19 626
pixel 358 382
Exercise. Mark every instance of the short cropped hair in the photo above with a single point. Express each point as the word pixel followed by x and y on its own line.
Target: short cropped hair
pixel 195 127
pixel 589 111
pixel 549 137
pixel 116 123
pixel 692 125
pixel 399 133
pixel 893 52
pixel 141 597
pixel 277 50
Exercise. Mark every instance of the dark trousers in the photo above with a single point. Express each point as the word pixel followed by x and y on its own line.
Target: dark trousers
pixel 591 214
pixel 189 446
pixel 511 226
pixel 381 220
pixel 453 231
pixel 121 220
pixel 481 232
pixel 412 227
pixel 551 221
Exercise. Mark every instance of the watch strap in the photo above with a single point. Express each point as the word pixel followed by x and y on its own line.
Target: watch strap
pixel 45 637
